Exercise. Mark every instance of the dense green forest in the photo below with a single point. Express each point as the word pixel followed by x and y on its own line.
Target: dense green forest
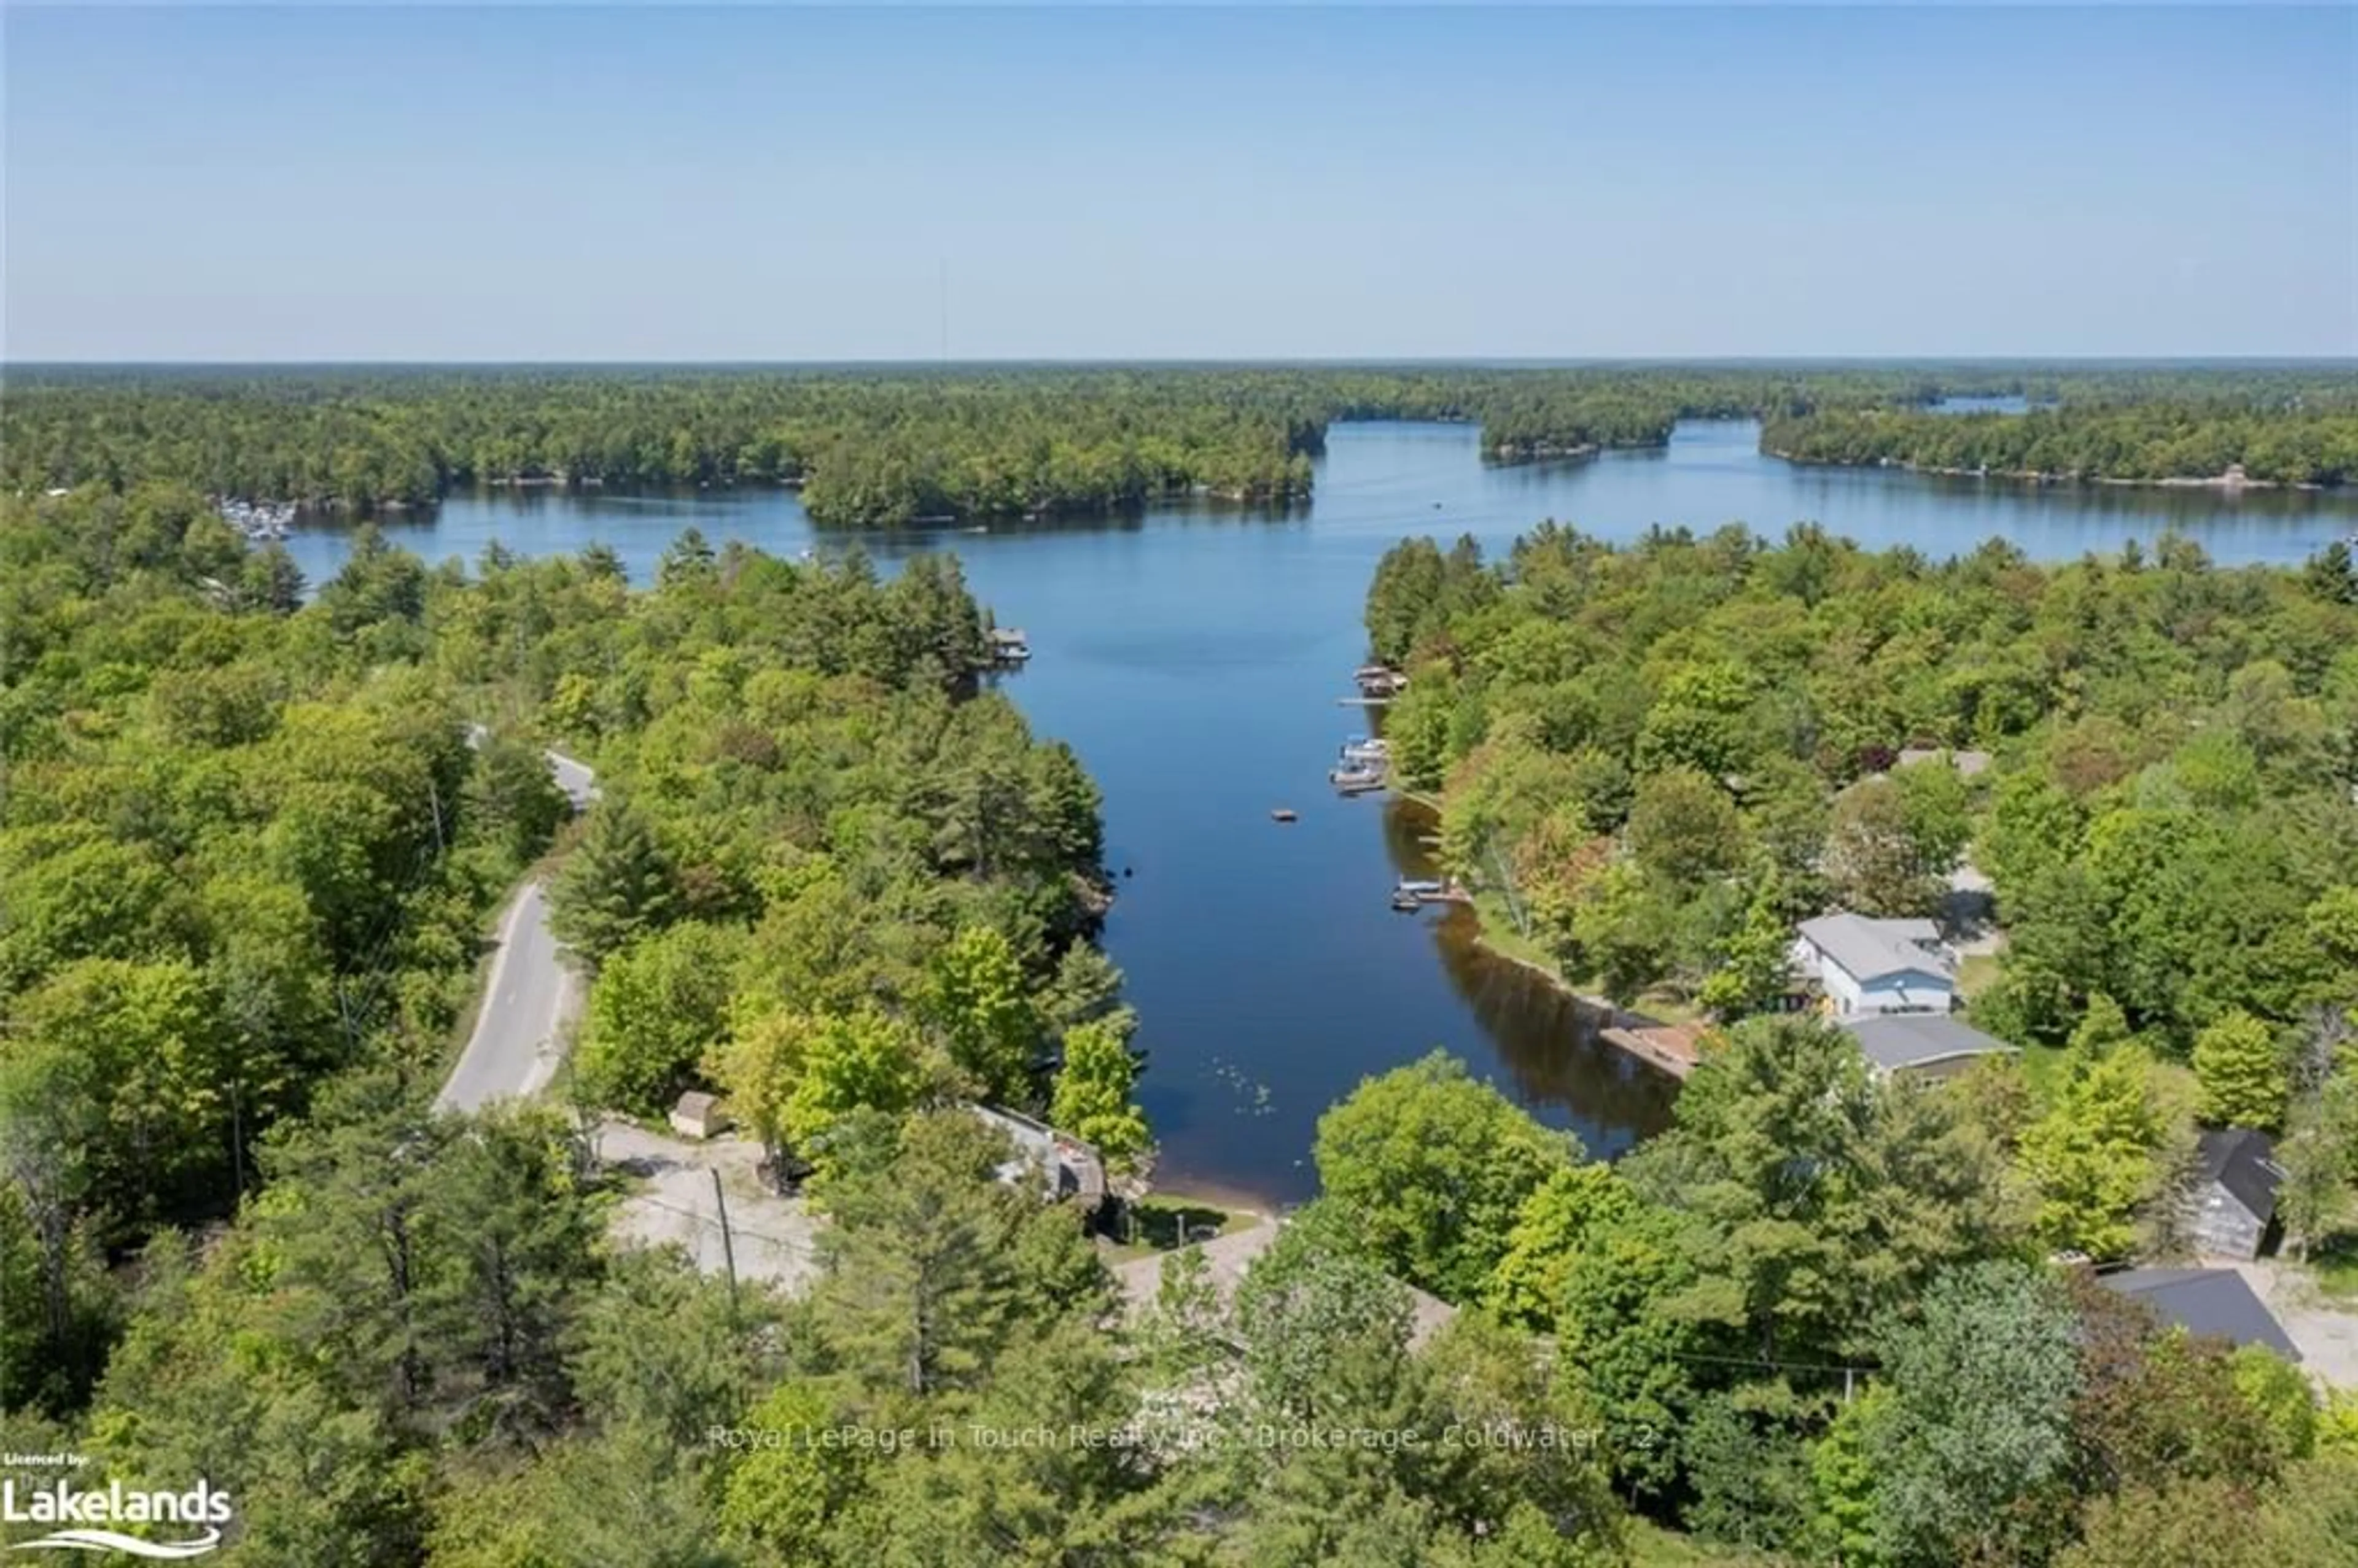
pixel 246 854
pixel 2295 442
pixel 1656 759
pixel 881 448
pixel 1653 761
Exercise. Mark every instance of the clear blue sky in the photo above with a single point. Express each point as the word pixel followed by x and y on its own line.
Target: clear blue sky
pixel 632 183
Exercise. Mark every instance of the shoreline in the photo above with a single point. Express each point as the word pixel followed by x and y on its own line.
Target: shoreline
pixel 1225 496
pixel 2224 483
pixel 1615 1014
pixel 1471 911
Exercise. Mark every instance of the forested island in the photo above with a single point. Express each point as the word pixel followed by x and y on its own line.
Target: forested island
pixel 2286 441
pixel 247 851
pixel 873 448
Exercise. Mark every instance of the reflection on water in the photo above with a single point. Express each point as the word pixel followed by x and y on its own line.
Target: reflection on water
pixel 1546 1037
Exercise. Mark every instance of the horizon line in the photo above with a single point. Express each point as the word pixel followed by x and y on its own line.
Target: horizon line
pixel 1123 362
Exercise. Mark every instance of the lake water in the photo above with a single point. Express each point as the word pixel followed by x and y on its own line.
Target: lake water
pixel 1193 656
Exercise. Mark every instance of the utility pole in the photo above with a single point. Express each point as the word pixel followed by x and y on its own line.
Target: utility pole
pixel 727 1246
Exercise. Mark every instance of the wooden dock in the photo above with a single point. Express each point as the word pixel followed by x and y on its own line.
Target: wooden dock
pixel 1675 1048
pixel 1410 895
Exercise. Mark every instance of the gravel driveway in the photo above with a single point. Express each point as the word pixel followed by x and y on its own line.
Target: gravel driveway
pixel 775 1237
pixel 2325 1330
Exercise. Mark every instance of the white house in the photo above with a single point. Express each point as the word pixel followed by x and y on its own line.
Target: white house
pixel 1877 966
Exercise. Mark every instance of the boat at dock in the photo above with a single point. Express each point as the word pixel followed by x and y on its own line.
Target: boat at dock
pixel 1380 680
pixel 1009 646
pixel 1360 749
pixel 1358 781
pixel 1412 893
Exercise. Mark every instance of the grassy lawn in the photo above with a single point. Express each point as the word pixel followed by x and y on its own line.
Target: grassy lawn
pixel 1498 935
pixel 1668 1009
pixel 1498 932
pixel 2336 1267
pixel 1976 973
pixel 1168 1221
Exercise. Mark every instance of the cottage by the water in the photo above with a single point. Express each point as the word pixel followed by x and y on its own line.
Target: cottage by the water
pixel 1865 966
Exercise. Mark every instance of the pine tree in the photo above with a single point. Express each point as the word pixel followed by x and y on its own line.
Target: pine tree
pixel 618 884
pixel 2241 1068
pixel 2319 1154
pixel 2092 1156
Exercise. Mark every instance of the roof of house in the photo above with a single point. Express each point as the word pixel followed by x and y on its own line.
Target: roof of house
pixel 1896 1040
pixel 2243 1160
pixel 1969 763
pixel 2216 1302
pixel 1870 949
pixel 1064 1164
pixel 696 1102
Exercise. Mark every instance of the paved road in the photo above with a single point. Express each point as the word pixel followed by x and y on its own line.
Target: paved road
pixel 531 996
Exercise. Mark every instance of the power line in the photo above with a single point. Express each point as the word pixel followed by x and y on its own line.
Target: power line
pixel 801 1248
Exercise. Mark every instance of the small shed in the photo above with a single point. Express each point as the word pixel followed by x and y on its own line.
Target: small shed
pixel 698 1115
pixel 2234 1197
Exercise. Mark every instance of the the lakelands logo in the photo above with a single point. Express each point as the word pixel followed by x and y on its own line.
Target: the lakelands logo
pixel 86 1516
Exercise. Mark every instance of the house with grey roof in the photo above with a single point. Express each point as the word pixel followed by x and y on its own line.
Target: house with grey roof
pixel 2218 1302
pixel 1969 764
pixel 2234 1197
pixel 1865 966
pixel 1061 1165
pixel 1926 1045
